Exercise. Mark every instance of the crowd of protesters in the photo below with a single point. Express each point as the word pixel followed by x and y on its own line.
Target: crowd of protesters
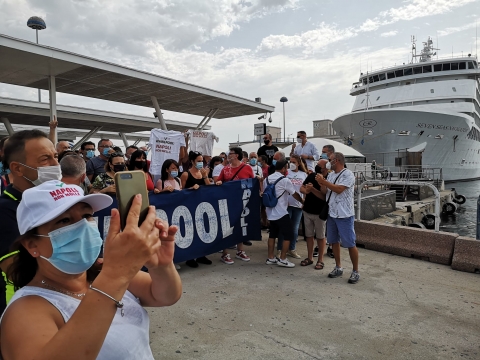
pixel 303 186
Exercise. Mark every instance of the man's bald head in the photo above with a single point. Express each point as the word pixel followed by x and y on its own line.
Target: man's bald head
pixel 62 146
pixel 279 156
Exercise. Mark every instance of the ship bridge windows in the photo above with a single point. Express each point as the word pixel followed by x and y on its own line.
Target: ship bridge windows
pixel 470 65
pixel 446 67
pixel 407 72
pixel 364 81
pixel 381 76
pixel 398 73
pixel 454 66
pixel 417 70
pixel 427 69
pixel 437 67
pixel 462 66
pixel 390 75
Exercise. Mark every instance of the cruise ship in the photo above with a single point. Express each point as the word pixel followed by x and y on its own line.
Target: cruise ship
pixel 422 114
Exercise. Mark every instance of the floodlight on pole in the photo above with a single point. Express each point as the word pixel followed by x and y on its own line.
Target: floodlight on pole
pixel 283 100
pixel 37 23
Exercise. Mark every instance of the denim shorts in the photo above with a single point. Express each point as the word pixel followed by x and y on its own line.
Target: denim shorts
pixel 341 228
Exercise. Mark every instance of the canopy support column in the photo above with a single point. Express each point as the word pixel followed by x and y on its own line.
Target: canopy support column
pixel 124 139
pixel 8 126
pixel 86 137
pixel 159 113
pixel 209 118
pixel 52 90
pixel 200 125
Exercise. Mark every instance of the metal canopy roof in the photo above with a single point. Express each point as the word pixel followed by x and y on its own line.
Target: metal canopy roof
pixel 37 114
pixel 27 64
pixel 71 134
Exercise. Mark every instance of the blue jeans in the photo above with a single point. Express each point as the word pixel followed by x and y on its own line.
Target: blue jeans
pixel 296 215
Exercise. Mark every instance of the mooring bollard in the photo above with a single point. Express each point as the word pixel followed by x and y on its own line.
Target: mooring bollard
pixel 478 218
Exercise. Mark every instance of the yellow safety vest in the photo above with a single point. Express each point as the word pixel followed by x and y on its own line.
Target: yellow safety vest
pixel 9 289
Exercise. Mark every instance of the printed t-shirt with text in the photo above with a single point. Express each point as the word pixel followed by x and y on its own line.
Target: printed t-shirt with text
pixel 297 179
pixel 164 145
pixel 202 141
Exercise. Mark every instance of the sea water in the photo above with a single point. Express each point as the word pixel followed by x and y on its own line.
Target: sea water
pixel 464 221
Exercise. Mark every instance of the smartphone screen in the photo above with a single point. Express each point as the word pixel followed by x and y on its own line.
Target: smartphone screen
pixel 129 184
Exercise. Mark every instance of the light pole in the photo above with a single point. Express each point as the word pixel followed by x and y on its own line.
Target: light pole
pixel 283 100
pixel 37 23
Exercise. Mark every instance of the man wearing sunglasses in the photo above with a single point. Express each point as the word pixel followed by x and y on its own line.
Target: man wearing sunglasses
pixel 268 149
pixel 340 189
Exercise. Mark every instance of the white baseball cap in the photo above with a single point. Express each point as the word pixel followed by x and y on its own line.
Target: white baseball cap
pixel 46 201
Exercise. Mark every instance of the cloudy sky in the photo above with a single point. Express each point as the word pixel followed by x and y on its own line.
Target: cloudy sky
pixel 310 51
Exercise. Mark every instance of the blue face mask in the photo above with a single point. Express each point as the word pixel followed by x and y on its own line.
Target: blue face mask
pixel 105 151
pixel 253 162
pixel 324 156
pixel 90 154
pixel 174 173
pixel 199 165
pixel 146 153
pixel 75 247
pixel 274 162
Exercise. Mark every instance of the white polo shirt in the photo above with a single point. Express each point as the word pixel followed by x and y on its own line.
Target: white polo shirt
pixel 308 149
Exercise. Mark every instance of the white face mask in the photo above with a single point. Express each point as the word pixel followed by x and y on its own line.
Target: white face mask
pixel 45 173
pixel 299 140
pixel 328 166
pixel 293 167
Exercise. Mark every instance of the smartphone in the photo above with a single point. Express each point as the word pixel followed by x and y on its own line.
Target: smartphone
pixel 129 184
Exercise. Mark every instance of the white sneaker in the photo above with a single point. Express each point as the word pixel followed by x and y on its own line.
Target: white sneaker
pixel 271 261
pixel 285 263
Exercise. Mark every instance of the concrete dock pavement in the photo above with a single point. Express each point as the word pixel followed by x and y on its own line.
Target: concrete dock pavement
pixel 402 308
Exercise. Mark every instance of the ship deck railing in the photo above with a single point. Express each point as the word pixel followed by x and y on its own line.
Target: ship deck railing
pixel 364 172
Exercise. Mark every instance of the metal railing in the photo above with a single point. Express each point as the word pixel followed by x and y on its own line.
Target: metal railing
pixel 405 183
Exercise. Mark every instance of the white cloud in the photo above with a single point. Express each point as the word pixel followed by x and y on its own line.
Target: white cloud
pixel 452 30
pixel 412 10
pixel 389 33
pixel 309 41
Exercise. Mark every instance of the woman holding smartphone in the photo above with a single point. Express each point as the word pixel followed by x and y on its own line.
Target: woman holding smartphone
pixel 64 298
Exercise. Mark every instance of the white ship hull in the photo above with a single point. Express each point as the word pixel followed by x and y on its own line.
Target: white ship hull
pixel 441 137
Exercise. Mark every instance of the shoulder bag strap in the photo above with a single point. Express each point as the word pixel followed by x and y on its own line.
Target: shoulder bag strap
pixel 334 183
pixel 233 177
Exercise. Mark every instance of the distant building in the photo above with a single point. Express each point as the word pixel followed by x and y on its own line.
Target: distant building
pixel 275 131
pixel 323 128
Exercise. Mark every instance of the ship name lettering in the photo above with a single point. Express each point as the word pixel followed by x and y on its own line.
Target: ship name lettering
pixel 441 127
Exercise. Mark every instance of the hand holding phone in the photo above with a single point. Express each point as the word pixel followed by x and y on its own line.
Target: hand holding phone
pixel 129 184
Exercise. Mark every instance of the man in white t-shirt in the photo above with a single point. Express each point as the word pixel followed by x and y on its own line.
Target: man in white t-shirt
pixel 306 150
pixel 280 222
pixel 252 161
pixel 340 189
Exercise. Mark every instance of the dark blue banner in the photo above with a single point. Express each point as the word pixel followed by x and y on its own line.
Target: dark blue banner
pixel 210 219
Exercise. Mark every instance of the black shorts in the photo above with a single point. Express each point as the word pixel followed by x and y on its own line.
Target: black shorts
pixel 284 226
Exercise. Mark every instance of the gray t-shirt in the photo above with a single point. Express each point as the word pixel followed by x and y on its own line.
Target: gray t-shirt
pixel 96 166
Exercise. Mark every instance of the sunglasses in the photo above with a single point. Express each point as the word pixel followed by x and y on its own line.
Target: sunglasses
pixel 116 154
